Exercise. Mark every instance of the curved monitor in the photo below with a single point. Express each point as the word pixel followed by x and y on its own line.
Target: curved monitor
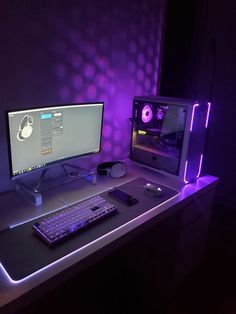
pixel 42 136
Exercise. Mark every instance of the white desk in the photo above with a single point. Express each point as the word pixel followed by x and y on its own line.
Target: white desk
pixel 193 202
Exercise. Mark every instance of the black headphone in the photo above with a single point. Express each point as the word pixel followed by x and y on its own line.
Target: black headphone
pixel 116 169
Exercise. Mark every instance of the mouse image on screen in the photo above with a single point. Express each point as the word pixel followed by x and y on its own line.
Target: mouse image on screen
pixel 153 190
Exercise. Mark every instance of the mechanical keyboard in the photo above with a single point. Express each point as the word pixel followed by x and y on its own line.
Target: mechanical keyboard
pixel 67 221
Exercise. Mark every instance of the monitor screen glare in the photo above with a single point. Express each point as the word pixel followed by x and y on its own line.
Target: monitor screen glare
pixel 42 136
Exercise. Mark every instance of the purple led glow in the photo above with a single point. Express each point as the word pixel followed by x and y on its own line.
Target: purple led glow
pixel 199 169
pixel 89 71
pixel 107 130
pixel 117 136
pixel 192 118
pixel 132 223
pixel 91 92
pixel 141 59
pixel 131 67
pixel 147 84
pixel 200 166
pixel 94 64
pixel 148 68
pixel 160 114
pixel 116 151
pixel 208 113
pixel 107 147
pixel 185 171
pixel 147 114
pixel 101 80
pixel 140 75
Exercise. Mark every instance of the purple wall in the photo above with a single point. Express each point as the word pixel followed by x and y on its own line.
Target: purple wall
pixel 71 51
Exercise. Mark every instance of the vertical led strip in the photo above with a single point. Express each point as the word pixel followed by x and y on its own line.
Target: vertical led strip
pixel 200 166
pixel 185 171
pixel 192 118
pixel 191 128
pixel 199 169
pixel 208 113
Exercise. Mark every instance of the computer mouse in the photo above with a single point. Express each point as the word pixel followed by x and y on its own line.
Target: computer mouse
pixel 153 190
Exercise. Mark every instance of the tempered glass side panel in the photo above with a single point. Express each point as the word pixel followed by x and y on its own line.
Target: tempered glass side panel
pixel 158 134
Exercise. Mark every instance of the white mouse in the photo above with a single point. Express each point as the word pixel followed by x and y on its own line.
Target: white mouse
pixel 153 190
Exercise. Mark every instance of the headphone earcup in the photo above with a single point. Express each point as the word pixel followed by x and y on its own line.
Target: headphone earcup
pixel 26 131
pixel 25 128
pixel 115 169
pixel 118 170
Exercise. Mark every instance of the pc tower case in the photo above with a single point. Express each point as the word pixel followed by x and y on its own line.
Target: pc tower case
pixel 168 134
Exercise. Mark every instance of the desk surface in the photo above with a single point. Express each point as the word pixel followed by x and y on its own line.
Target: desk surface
pixel 14 211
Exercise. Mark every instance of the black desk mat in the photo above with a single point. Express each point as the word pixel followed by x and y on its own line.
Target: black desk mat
pixel 22 253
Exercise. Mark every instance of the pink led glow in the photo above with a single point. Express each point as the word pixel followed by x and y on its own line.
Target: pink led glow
pixel 200 166
pixel 141 59
pixel 160 114
pixel 199 169
pixel 116 151
pixel 147 114
pixel 147 84
pixel 132 223
pixel 117 136
pixel 185 171
pixel 131 67
pixel 92 90
pixel 89 70
pixel 208 113
pixel 107 147
pixel 107 130
pixel 148 67
pixel 95 64
pixel 192 118
pixel 101 80
pixel 140 75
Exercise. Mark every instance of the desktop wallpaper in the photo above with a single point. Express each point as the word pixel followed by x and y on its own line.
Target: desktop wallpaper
pixel 73 51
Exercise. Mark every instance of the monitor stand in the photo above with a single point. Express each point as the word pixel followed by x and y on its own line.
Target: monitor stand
pixel 32 191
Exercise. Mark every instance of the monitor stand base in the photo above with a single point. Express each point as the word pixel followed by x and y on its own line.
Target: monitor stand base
pixel 78 172
pixel 34 197
pixel 33 192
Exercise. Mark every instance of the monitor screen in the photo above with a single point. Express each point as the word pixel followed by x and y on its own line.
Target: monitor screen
pixel 42 136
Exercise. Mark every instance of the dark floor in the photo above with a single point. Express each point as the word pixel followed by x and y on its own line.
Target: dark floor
pixel 114 286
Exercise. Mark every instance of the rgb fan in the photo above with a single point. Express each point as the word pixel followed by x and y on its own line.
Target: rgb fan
pixel 147 114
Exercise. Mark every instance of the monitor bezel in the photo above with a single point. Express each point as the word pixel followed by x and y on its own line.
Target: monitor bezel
pixel 58 161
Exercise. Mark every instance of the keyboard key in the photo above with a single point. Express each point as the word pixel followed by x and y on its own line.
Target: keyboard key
pixel 60 225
